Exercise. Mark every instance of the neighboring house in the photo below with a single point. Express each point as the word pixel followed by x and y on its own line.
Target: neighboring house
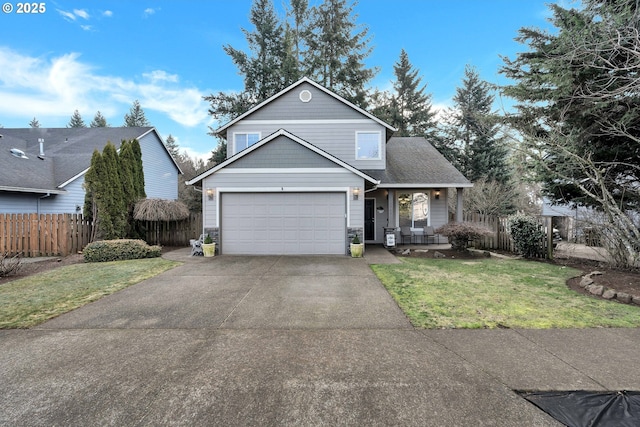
pixel 307 170
pixel 42 169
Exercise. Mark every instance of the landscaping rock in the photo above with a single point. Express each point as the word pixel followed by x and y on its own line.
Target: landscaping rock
pixel 586 281
pixel 635 299
pixel 609 294
pixel 594 273
pixel 406 252
pixel 421 250
pixel 595 289
pixel 624 297
pixel 437 254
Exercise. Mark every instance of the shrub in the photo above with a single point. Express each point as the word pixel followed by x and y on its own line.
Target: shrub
pixel 207 240
pixel 9 265
pixel 527 235
pixel 461 233
pixel 117 250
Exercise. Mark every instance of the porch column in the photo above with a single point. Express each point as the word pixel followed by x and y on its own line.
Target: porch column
pixel 459 205
pixel 391 213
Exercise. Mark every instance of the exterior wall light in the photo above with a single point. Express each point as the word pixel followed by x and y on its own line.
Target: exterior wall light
pixel 437 196
pixel 210 193
pixel 356 192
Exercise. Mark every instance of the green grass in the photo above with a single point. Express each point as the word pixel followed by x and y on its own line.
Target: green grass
pixel 35 299
pixel 491 293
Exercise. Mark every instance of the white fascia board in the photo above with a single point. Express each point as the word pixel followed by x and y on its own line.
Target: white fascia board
pixel 73 178
pixel 430 185
pixel 282 170
pixel 31 190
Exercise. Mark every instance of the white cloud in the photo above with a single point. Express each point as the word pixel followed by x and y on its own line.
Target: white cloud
pixel 81 13
pixel 107 13
pixel 86 27
pixel 149 11
pixel 160 75
pixel 67 15
pixel 55 87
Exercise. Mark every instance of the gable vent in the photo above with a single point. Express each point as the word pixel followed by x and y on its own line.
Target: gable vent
pixel 15 152
pixel 305 96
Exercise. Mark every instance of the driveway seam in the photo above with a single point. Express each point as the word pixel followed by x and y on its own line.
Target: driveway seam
pixel 543 348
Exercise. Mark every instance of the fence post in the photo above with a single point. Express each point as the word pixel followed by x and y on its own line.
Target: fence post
pixel 549 236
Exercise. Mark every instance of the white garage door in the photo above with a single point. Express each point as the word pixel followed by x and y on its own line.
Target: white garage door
pixel 283 223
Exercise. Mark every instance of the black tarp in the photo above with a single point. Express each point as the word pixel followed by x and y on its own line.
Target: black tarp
pixel 588 408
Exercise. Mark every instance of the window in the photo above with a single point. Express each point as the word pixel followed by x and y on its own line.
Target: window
pixel 244 140
pixel 413 210
pixel 368 146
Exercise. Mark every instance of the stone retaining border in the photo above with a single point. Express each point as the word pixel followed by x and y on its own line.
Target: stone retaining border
pixel 607 293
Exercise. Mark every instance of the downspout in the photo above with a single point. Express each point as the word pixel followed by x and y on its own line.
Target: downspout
pixel 38 204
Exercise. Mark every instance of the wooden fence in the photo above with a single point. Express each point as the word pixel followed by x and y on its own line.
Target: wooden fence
pixel 172 233
pixel 32 235
pixel 501 240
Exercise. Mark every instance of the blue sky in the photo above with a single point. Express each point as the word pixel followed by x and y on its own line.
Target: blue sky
pixel 91 55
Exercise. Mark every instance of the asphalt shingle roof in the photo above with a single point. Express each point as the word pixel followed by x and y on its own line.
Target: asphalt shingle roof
pixel 67 152
pixel 413 160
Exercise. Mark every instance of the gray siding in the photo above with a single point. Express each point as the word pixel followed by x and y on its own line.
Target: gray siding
pixel 65 203
pixel 321 107
pixel 282 153
pixel 160 173
pixel 337 139
pixel 439 210
pixel 18 203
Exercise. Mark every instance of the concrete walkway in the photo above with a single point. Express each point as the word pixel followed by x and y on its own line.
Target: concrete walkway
pixel 288 341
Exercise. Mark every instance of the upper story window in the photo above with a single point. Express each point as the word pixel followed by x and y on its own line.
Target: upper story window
pixel 244 140
pixel 368 146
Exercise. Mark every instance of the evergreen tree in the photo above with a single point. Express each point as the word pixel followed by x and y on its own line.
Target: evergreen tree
pixel 98 121
pixel 336 50
pixel 34 123
pixel 473 130
pixel 76 121
pixel 114 200
pixel 172 147
pixel 128 167
pixel 412 113
pixel 135 117
pixel 138 171
pixel 577 94
pixel 219 155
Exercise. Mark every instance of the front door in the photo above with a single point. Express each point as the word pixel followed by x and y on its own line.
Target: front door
pixel 369 219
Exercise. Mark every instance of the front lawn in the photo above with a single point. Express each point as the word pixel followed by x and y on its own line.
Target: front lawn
pixel 35 299
pixel 492 293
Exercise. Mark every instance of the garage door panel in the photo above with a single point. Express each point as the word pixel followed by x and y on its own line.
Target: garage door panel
pixel 283 223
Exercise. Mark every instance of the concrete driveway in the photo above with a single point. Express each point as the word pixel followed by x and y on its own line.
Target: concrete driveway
pixel 262 341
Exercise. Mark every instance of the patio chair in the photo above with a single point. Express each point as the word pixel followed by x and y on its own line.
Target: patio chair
pixel 429 232
pixel 404 233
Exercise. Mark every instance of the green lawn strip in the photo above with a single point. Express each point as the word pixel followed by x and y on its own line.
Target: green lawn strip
pixel 491 293
pixel 35 299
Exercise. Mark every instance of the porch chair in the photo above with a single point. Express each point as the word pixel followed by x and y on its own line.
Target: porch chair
pixel 404 233
pixel 429 231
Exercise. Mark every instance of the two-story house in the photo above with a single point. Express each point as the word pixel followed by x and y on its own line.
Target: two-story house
pixel 307 170
pixel 42 169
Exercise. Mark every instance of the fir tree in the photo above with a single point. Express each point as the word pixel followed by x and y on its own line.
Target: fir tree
pixel 172 146
pixel 135 117
pixel 336 49
pixel 473 129
pixel 412 113
pixel 34 123
pixel 98 121
pixel 76 121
